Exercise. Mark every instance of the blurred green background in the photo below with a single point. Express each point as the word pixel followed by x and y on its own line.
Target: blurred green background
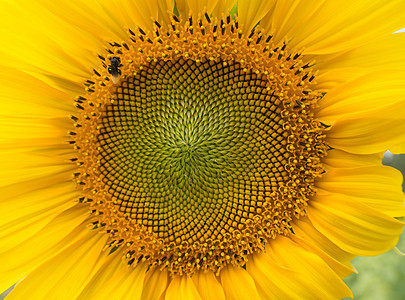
pixel 381 277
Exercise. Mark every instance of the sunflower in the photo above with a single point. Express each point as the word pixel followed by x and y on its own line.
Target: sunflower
pixel 197 149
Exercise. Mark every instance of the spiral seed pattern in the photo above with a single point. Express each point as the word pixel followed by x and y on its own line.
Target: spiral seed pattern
pixel 205 150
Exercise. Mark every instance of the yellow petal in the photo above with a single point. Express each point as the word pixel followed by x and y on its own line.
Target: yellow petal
pixel 304 229
pixel 208 286
pixel 126 283
pixel 134 14
pixel 384 53
pixel 341 269
pixel 323 27
pixel 26 163
pixel 198 7
pixel 318 278
pixel 14 130
pixel 279 282
pixel 375 132
pixel 379 187
pixel 183 8
pixel 274 281
pixel 223 7
pixel 398 149
pixel 31 161
pixel 36 99
pixel 108 267
pixel 26 207
pixel 356 98
pixel 24 255
pixel 252 11
pixel 274 20
pixel 99 18
pixel 155 284
pixel 352 225
pixel 65 273
pixel 49 48
pixel 341 159
pixel 182 288
pixel 213 7
pixel 238 284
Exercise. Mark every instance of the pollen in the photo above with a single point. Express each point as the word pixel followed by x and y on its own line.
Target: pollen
pixel 203 149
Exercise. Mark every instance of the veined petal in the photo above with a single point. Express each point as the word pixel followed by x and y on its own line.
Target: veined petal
pixel 293 256
pixel 384 53
pixel 374 132
pixel 276 17
pixel 397 149
pixel 182 288
pixel 37 100
pixel 252 12
pixel 54 56
pixel 376 186
pixel 126 283
pixel 340 159
pixel 287 271
pixel 141 13
pixel 22 220
pixel 208 286
pixel 30 165
pixel 155 284
pixel 274 281
pixel 195 7
pixel 358 97
pixel 323 27
pixel 223 7
pixel 106 268
pixel 23 214
pixel 304 229
pixel 238 284
pixel 341 269
pixel 352 225
pixel 28 129
pixel 102 19
pixel 66 280
pixel 23 256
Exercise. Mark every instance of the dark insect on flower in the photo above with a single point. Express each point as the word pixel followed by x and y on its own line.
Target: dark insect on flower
pixel 113 68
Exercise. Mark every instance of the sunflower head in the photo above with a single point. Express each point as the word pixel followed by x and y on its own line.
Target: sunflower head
pixel 201 146
pixel 214 155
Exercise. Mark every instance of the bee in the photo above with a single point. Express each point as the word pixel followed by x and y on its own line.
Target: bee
pixel 113 68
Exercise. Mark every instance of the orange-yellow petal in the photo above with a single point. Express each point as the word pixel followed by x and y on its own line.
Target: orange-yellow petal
pixel 304 229
pixel 155 284
pixel 357 98
pixel 323 27
pixel 376 186
pixel 238 284
pixel 126 283
pixel 65 273
pixel 251 12
pixel 375 132
pixel 288 271
pixel 352 225
pixel 22 254
pixel 208 286
pixel 182 288
pixel 340 159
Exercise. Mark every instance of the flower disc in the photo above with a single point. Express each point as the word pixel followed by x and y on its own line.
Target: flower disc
pixel 204 149
pixel 214 156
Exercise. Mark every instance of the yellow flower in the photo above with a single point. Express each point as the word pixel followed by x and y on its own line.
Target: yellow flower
pixel 212 156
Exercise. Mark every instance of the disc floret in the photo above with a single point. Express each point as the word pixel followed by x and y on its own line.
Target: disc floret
pixel 205 149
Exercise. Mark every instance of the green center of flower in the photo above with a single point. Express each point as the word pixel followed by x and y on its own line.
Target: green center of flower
pixel 189 149
pixel 203 150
